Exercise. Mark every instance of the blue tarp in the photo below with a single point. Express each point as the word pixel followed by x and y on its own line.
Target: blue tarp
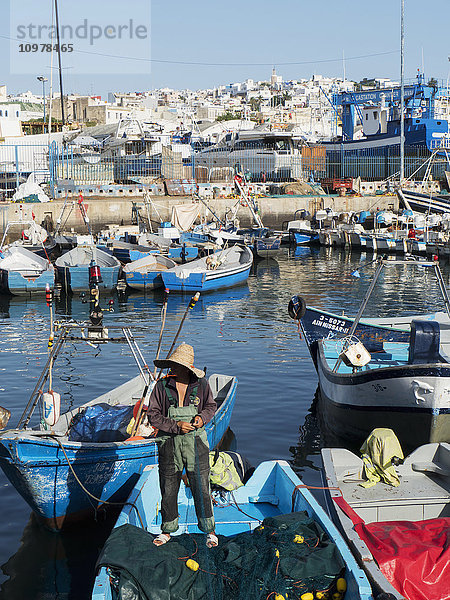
pixel 101 423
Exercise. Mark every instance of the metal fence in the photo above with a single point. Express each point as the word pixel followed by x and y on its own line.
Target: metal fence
pixel 374 165
pixel 59 165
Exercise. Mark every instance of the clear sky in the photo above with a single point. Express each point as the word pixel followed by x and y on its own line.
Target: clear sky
pixel 252 35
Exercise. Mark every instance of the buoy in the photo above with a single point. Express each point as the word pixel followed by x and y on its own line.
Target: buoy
pixel 299 539
pixel 277 553
pixel 51 405
pixel 341 585
pixel 307 596
pixel 296 307
pixel 191 564
pixel 337 596
pixel 322 595
pixel 279 597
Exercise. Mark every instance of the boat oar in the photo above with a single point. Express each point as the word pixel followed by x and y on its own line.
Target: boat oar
pixel 190 306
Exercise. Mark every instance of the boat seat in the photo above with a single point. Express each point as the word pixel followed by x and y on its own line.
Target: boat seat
pixel 431 467
pixel 439 463
pixel 424 342
pixel 268 499
pixel 373 346
pixel 381 355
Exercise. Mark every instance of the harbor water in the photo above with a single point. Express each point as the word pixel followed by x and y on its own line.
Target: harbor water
pixel 244 331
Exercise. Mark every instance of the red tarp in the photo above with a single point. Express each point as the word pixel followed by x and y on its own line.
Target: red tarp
pixel 413 555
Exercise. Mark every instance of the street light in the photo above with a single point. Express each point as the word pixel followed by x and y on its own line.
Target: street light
pixel 43 79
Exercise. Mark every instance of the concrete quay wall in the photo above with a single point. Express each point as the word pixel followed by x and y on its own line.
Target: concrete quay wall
pixel 104 211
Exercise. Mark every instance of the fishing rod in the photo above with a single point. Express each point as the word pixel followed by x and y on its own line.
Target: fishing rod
pixel 163 314
pixel 190 306
pixel 149 388
pixel 154 376
pixel 42 380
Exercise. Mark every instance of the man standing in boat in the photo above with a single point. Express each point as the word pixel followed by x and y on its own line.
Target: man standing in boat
pixel 180 406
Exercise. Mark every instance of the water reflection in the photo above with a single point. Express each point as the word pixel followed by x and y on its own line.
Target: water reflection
pixel 53 566
pixel 306 454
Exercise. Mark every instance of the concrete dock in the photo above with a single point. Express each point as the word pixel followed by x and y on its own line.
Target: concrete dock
pixel 274 210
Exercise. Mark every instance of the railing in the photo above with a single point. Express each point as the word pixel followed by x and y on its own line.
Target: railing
pixel 56 165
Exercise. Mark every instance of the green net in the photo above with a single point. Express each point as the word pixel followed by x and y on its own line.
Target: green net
pixel 284 558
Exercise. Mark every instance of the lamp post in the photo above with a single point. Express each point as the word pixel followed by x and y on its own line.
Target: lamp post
pixel 43 79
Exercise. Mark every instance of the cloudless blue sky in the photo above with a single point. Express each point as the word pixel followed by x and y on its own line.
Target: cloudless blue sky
pixel 237 31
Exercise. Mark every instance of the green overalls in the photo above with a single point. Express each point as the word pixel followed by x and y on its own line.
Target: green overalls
pixel 188 451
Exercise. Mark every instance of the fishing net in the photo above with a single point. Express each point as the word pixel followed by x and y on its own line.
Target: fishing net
pixel 286 557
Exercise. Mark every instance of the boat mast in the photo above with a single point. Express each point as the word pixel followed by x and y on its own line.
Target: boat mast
pixel 59 63
pixel 402 96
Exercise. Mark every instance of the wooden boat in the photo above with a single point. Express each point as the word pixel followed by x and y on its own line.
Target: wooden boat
pixel 405 522
pixel 36 461
pixel 222 269
pixel 373 375
pixel 23 273
pixel 273 489
pixel 73 268
pixel 145 273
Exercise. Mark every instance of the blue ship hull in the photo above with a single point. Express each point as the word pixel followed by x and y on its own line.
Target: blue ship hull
pixel 144 281
pixel 304 239
pixel 76 279
pixel 14 283
pixel 203 282
pixel 37 467
pixel 272 490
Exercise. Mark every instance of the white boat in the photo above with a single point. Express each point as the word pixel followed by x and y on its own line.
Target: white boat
pixel 266 155
pixel 407 521
pixel 23 272
pixel 382 372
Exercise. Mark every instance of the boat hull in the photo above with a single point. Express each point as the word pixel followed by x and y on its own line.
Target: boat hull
pixel 273 489
pixel 14 283
pixel 39 468
pixel 412 400
pixel 76 279
pixel 144 281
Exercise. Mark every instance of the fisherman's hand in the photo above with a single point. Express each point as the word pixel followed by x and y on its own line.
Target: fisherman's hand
pixel 197 422
pixel 185 426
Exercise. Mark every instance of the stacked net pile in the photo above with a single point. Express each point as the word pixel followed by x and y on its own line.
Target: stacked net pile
pixel 286 557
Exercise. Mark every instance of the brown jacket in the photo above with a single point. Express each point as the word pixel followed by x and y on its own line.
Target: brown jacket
pixel 159 403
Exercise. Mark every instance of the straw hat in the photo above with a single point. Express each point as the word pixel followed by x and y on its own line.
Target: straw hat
pixel 183 355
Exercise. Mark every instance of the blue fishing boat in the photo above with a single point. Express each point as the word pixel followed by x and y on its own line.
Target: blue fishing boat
pixel 304 238
pixel 126 252
pixel 261 515
pixel 23 273
pixel 184 252
pixel 266 247
pixel 145 273
pixel 73 269
pixel 52 473
pixel 222 269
